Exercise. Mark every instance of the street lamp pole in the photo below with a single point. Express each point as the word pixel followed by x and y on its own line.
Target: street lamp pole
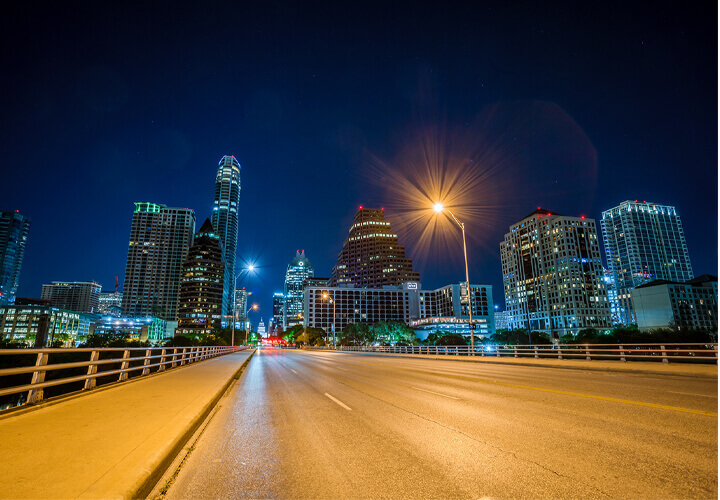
pixel 332 301
pixel 234 317
pixel 247 315
pixel 439 208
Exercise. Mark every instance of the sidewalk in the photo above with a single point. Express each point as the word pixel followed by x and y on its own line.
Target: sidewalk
pixel 113 443
pixel 644 367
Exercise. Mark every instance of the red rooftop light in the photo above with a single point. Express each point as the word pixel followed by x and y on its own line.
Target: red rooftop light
pixel 382 208
pixel 549 213
pixel 360 207
pixel 582 216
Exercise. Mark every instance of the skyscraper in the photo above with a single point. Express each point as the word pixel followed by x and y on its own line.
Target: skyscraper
pixel 241 300
pixel 371 255
pixel 14 228
pixel 643 242
pixel 553 275
pixel 160 238
pixel 278 307
pixel 83 296
pixel 297 272
pixel 225 221
pixel 201 287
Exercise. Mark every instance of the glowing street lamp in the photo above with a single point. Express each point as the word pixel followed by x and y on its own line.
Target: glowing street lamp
pixel 438 208
pixel 332 301
pixel 248 269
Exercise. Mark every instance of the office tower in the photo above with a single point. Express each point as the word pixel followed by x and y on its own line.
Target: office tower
pixel 261 328
pixel 160 238
pixel 14 228
pixel 241 305
pixel 201 286
pixel 371 256
pixel 297 272
pixel 81 296
pixel 278 307
pixel 553 275
pixel 110 304
pixel 643 242
pixel 425 311
pixel 225 221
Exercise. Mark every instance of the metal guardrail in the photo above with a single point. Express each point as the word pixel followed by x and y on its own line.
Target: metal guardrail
pixel 701 352
pixel 159 359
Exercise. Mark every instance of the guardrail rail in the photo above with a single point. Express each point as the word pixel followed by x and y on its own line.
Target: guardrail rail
pixel 686 352
pixel 103 365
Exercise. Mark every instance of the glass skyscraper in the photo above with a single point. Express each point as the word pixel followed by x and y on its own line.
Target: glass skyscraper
pixel 643 242
pixel 14 228
pixel 297 272
pixel 225 221
pixel 160 239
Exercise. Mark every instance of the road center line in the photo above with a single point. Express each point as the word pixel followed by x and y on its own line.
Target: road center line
pixel 338 402
pixel 431 392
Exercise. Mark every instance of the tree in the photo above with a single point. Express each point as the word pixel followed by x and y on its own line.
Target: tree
pixel 356 334
pixel 451 339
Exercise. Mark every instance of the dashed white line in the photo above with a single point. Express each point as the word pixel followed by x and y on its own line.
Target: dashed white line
pixel 292 370
pixel 437 393
pixel 338 402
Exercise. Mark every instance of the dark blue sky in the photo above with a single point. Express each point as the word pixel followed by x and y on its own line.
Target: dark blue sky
pixel 107 103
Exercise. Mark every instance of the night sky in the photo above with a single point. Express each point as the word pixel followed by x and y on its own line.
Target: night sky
pixel 574 107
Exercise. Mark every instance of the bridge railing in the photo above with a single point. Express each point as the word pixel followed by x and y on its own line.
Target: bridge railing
pixel 685 352
pixel 66 367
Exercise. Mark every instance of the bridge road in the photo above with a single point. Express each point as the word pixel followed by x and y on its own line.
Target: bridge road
pixel 304 424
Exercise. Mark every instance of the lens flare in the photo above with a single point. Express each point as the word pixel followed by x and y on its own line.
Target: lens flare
pixel 438 207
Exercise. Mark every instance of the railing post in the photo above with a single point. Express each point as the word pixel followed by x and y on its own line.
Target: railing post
pixel 92 370
pixel 622 353
pixel 587 353
pixel 125 364
pixel 559 352
pixel 174 358
pixel 537 356
pixel 162 360
pixel 38 377
pixel 146 370
pixel 664 354
pixel 184 355
pixel 515 351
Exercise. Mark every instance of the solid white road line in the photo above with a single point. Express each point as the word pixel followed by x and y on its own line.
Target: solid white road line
pixel 292 370
pixel 338 402
pixel 431 392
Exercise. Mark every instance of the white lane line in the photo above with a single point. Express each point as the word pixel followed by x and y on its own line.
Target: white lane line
pixel 338 402
pixel 431 392
pixel 292 370
pixel 693 394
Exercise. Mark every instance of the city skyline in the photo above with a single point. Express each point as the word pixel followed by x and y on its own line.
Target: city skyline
pixel 315 110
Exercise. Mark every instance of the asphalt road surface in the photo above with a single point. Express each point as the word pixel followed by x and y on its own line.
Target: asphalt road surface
pixel 303 424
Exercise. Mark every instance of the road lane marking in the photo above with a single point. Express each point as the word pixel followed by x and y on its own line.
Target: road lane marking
pixel 292 370
pixel 431 392
pixel 338 402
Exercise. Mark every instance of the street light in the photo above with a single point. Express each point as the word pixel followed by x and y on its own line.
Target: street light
pixel 438 208
pixel 332 301
pixel 253 308
pixel 234 317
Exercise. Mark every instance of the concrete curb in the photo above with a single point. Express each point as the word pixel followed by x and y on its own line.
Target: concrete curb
pixel 645 370
pixel 145 485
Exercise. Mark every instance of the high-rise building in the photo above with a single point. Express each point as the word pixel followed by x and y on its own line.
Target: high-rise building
pixel 643 242
pixel 110 304
pixel 225 221
pixel 241 307
pixel 553 275
pixel 261 328
pixel 297 272
pixel 201 287
pixel 278 307
pixel 160 238
pixel 81 296
pixel 14 228
pixel 371 256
